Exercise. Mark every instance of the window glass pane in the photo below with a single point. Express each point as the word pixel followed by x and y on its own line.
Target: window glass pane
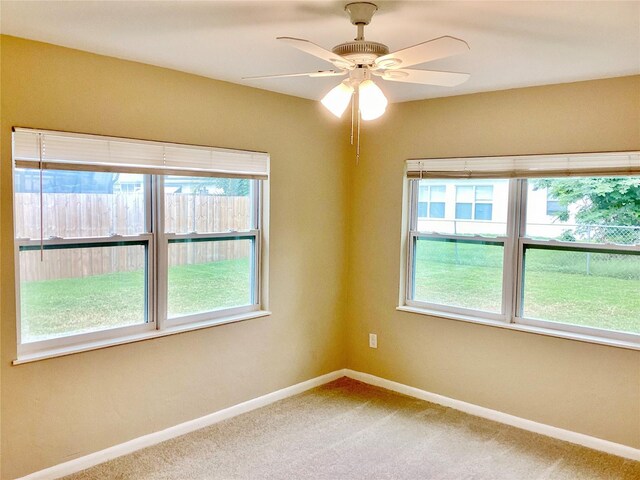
pixel 594 289
pixel 483 211
pixel 461 274
pixel 438 193
pixel 209 275
pixel 422 209
pixel 484 193
pixel 463 211
pixel 206 204
pixel 78 204
pixel 593 209
pixel 436 210
pixel 452 215
pixel 464 194
pixel 79 290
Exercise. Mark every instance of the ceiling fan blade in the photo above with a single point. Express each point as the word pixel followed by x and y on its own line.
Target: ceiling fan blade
pixel 423 52
pixel 317 51
pixel 426 77
pixel 320 73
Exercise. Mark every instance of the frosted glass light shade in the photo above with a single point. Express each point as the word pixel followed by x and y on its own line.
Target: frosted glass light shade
pixel 373 103
pixel 337 100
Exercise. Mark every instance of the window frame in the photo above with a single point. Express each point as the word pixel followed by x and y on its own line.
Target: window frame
pixel 505 240
pixel 165 238
pixel 20 244
pixel 28 348
pixel 523 241
pixel 156 243
pixel 515 243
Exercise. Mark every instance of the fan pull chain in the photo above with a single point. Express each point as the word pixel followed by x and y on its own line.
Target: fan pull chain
pixel 358 145
pixel 353 102
pixel 356 113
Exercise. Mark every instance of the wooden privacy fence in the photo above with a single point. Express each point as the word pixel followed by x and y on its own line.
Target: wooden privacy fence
pixel 71 215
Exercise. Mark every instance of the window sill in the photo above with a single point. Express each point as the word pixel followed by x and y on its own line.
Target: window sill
pixel 522 328
pixel 85 347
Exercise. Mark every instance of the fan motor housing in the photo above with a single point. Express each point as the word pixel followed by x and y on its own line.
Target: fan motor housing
pixel 361 52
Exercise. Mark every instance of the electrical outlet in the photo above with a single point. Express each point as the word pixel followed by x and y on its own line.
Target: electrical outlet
pixel 373 340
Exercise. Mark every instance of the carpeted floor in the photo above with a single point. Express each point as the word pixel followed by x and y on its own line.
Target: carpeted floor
pixel 350 430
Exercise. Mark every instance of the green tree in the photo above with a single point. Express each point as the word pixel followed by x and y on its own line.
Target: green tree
pixel 599 201
pixel 605 201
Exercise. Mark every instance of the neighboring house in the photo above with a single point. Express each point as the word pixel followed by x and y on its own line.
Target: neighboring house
pixel 480 207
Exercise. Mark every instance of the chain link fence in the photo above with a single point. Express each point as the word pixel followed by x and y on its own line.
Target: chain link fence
pixel 618 265
pixel 617 234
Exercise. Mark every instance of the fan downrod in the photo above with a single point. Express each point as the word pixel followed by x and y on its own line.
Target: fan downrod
pixel 360 14
pixel 361 51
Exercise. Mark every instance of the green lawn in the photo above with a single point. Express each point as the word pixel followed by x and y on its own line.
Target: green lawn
pixel 557 286
pixel 209 286
pixel 57 307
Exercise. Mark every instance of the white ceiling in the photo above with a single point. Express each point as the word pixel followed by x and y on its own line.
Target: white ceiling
pixel 513 44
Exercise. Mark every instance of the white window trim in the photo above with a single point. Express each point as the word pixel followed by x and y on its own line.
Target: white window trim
pixel 549 332
pixel 157 324
pixel 514 243
pixel 87 346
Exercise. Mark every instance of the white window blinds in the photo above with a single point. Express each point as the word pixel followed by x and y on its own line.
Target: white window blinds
pixel 527 166
pixel 72 151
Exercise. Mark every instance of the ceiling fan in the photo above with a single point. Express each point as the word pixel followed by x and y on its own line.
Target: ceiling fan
pixel 362 60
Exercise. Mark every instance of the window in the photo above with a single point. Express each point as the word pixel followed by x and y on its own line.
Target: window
pixel 586 270
pixel 96 253
pixel 211 265
pixel 554 207
pixel 577 272
pixel 105 252
pixel 454 265
pixel 431 201
pixel 474 202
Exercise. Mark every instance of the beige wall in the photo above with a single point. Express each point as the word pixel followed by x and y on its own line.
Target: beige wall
pixel 59 409
pixel 578 386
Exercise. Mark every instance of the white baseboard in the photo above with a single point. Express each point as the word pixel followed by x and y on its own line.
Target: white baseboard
pixel 541 428
pixel 87 461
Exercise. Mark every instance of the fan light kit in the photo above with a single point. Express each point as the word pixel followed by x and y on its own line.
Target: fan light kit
pixel 362 60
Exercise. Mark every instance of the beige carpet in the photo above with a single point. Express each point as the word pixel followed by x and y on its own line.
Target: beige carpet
pixel 349 430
